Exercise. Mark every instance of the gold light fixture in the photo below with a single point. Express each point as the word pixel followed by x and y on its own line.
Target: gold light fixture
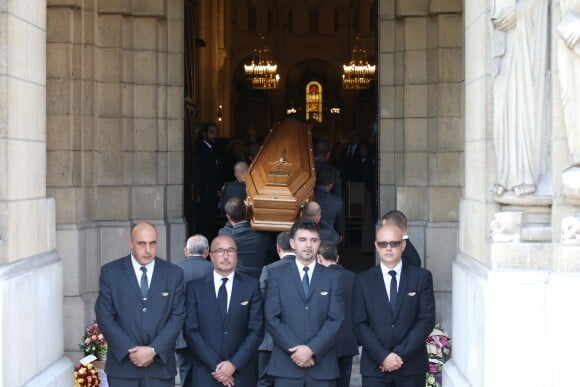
pixel 358 73
pixel 262 71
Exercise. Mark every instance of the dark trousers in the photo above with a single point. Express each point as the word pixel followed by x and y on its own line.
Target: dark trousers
pixel 143 382
pixel 264 380
pixel 307 381
pixel 345 369
pixel 184 357
pixel 395 380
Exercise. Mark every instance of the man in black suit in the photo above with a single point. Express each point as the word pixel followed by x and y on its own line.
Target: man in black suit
pixel 321 156
pixel 140 310
pixel 208 182
pixel 224 322
pixel 194 266
pixel 304 310
pixel 410 254
pixel 330 204
pixel 236 189
pixel 313 213
pixel 255 248
pixel 351 159
pixel 393 314
pixel 347 345
pixel 286 255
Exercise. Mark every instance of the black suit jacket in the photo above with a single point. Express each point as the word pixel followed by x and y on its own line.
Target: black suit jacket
pixel 410 254
pixel 351 165
pixel 127 320
pixel 331 207
pixel 268 343
pixel 347 344
pixel 194 267
pixel 314 320
pixel 214 340
pixel 255 248
pixel 208 178
pixel 235 189
pixel 321 163
pixel 381 332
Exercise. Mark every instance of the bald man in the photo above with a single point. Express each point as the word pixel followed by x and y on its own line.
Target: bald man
pixel 225 321
pixel 140 310
pixel 393 313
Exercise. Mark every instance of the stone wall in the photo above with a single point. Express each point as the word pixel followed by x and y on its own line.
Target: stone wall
pixel 31 279
pixel 114 136
pixel 421 128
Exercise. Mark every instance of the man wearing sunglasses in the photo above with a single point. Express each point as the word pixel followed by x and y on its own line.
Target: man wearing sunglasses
pixel 393 313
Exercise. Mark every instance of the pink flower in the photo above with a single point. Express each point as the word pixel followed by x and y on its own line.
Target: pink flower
pixel 87 341
pixel 94 337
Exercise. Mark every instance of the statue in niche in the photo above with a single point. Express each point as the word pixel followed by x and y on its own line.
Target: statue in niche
pixel 520 108
pixel 569 70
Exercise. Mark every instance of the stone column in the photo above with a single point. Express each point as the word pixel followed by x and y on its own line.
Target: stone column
pixel 421 132
pixel 31 272
pixel 517 270
pixel 115 137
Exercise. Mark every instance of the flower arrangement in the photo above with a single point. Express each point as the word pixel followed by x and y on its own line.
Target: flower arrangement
pixel 86 375
pixel 94 342
pixel 439 350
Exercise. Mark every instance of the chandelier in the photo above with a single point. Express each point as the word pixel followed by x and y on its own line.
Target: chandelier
pixel 261 71
pixel 358 73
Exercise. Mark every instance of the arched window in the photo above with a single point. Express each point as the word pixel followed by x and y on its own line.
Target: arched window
pixel 314 101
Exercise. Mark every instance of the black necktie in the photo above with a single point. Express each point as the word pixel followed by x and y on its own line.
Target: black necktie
pixel 393 292
pixel 222 298
pixel 305 281
pixel 144 283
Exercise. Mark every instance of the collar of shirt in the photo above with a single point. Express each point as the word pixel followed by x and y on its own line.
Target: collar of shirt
pixel 310 266
pixel 385 270
pixel 387 277
pixel 137 269
pixel 217 281
pixel 208 144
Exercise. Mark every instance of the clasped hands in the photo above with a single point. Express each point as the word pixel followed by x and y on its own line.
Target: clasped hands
pixel 391 363
pixel 224 373
pixel 302 356
pixel 141 356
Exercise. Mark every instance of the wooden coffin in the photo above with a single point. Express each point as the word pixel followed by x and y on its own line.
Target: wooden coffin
pixel 281 178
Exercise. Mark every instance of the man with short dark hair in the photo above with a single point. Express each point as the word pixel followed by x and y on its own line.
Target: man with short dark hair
pixel 399 219
pixel 321 156
pixel 347 345
pixel 331 205
pixel 194 266
pixel 304 310
pixel 255 248
pixel 208 181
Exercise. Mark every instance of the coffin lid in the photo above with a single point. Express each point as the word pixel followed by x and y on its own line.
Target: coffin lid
pixel 281 178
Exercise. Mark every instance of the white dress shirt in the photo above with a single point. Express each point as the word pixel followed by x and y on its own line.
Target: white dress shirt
pixel 311 267
pixel 138 273
pixel 387 277
pixel 217 282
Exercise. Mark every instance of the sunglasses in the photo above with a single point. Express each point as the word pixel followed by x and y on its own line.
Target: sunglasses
pixel 384 244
